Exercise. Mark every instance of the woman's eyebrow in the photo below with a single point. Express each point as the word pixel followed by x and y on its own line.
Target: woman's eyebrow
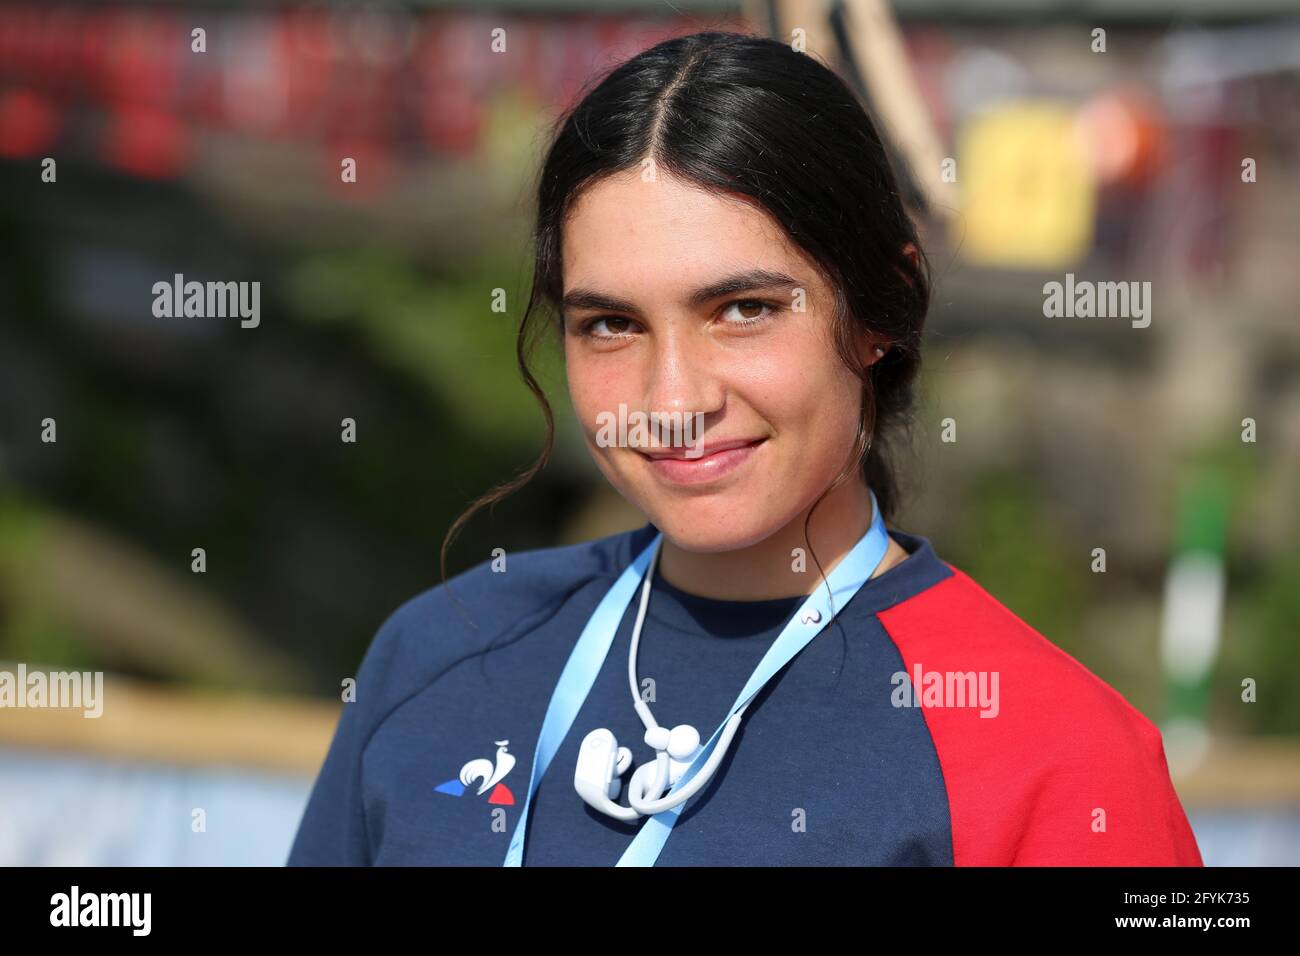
pixel 580 298
pixel 741 282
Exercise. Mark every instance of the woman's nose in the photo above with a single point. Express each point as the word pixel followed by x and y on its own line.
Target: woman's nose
pixel 683 378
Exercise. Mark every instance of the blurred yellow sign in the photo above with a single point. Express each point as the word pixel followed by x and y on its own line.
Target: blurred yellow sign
pixel 1027 189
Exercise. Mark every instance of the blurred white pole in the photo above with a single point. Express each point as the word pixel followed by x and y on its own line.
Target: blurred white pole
pixel 1192 620
pixel 880 53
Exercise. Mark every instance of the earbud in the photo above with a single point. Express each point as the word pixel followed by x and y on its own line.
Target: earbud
pixel 601 762
pixel 676 748
pixel 683 742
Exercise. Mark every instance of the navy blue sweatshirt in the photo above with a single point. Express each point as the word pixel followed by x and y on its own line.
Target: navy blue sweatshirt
pixel 826 769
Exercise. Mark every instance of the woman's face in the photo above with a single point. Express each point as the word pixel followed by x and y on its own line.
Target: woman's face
pixel 656 320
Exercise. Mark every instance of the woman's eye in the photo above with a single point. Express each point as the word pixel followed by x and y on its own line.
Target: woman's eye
pixel 748 312
pixel 614 327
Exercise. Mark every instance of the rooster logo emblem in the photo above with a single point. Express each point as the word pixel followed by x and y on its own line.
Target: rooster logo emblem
pixel 490 772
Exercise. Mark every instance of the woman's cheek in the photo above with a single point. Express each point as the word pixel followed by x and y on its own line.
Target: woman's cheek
pixel 590 396
pixel 595 403
pixel 779 387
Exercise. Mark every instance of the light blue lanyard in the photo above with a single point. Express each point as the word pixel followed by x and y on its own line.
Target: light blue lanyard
pixel 588 655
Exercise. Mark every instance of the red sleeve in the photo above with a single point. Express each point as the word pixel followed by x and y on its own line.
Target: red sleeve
pixel 1066 773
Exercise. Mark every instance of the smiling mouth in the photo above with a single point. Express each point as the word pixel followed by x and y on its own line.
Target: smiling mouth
pixel 720 458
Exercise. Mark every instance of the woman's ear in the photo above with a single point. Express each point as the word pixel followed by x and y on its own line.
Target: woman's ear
pixel 911 253
pixel 871 348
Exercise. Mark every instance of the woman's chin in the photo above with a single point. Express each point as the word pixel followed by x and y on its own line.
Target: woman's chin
pixel 712 533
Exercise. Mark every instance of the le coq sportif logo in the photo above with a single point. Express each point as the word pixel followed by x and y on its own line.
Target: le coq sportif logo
pixel 490 772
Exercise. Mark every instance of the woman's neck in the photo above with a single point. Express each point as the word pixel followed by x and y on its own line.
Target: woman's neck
pixel 767 570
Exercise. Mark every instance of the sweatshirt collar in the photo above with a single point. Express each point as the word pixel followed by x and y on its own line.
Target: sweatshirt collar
pixel 714 617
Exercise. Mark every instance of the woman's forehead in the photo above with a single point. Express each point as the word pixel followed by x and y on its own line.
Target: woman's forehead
pixel 625 234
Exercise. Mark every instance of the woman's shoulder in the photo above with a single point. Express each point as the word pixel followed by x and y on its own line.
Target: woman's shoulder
pixel 506 586
pixel 1043 761
pixel 956 625
pixel 505 591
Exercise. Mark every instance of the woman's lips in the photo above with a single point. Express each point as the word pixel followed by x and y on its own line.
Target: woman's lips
pixel 709 467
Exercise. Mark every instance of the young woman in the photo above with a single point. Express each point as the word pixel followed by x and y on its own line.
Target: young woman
pixel 761 674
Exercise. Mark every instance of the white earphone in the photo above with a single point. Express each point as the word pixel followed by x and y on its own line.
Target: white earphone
pixel 601 761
